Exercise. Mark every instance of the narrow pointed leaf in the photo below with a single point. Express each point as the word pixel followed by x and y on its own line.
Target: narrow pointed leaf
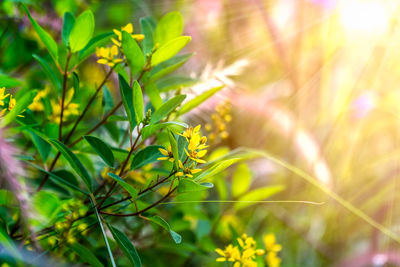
pixel 97 41
pixel 133 53
pixel 161 222
pixel 126 246
pixel 145 156
pixel 102 149
pixel 258 195
pixel 169 49
pixel 130 189
pixel 147 30
pixel 127 100
pixel 138 102
pixel 174 148
pixel 167 108
pixel 46 38
pixel 68 24
pixel 186 185
pixel 169 66
pixel 73 160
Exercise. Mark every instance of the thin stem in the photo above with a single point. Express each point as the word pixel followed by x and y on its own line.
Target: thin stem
pixel 64 89
pixel 89 104
pixel 143 210
pixel 133 147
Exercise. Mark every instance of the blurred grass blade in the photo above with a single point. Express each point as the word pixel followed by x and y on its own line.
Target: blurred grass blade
pixel 195 102
pixel 86 255
pixel 257 195
pixel 6 81
pixel 49 72
pixel 103 232
pixel 46 38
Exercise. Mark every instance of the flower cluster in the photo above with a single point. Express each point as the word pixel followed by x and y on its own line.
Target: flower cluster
pixel 246 252
pixel 3 105
pixel 196 149
pixel 129 29
pixel 37 104
pixel 108 55
pixel 272 249
pixel 217 129
pixel 70 109
pixel 242 255
pixel 73 209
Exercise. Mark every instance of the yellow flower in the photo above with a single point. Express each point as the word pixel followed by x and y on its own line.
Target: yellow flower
pixel 231 253
pixel 270 243
pixel 2 95
pixel 246 242
pixel 196 148
pixel 70 109
pixel 108 56
pixel 167 153
pixel 12 103
pixel 37 104
pixel 187 171
pixel 272 259
pixel 129 29
pixel 189 132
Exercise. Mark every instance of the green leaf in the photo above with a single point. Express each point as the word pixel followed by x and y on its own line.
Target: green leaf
pixel 138 102
pixel 103 232
pixel 186 185
pixel 113 118
pixel 127 100
pixel 130 189
pixel 168 66
pixel 58 178
pixel 49 72
pixel 6 81
pixel 96 41
pixel 167 108
pixel 241 179
pixel 174 148
pixel 133 54
pixel 69 22
pixel 7 198
pixel 86 255
pixel 150 129
pixel 175 82
pixel 46 38
pixel 82 31
pixel 126 246
pixel 154 95
pixel 102 149
pixel 161 222
pixel 145 156
pixel 188 106
pixel 169 49
pixel 217 168
pixel 21 104
pixel 43 147
pixel 147 29
pixel 169 27
pixel 258 194
pixel 74 162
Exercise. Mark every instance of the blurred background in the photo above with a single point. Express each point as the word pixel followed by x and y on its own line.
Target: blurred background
pixel 315 83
